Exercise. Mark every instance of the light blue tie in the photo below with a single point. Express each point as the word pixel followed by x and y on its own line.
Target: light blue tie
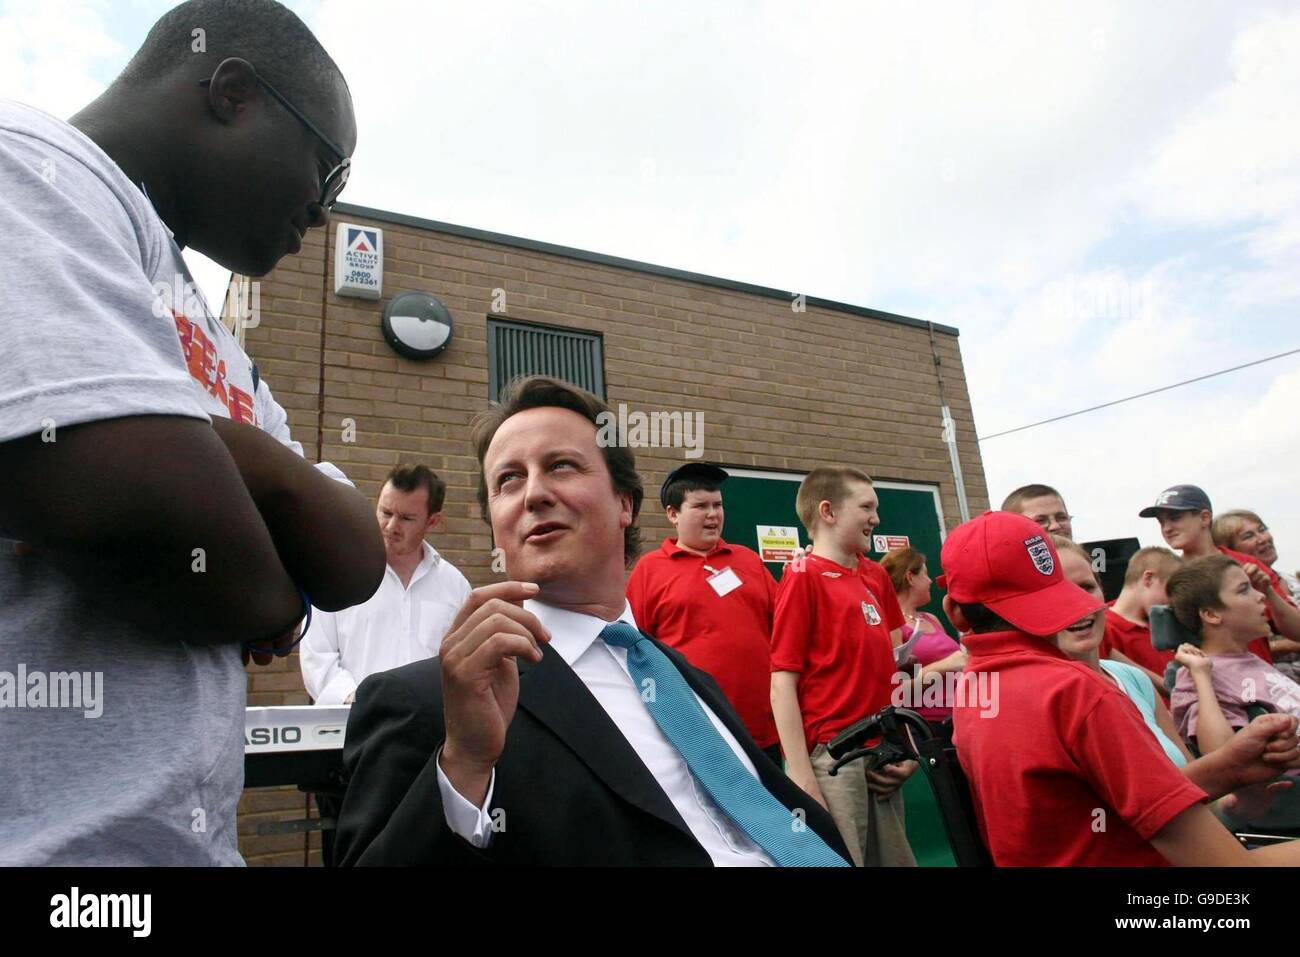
pixel 770 824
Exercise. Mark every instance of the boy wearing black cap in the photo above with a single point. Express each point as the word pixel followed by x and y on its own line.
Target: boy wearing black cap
pixel 1187 521
pixel 1049 784
pixel 711 600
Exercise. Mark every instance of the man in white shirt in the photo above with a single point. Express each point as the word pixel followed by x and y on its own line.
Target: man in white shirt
pixel 406 619
pixel 537 738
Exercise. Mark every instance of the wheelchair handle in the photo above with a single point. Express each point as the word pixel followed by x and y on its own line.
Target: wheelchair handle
pixel 888 724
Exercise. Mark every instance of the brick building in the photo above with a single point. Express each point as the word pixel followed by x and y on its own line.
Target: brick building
pixel 770 375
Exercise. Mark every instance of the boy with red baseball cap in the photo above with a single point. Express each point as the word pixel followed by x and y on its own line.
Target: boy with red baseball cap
pixel 1050 785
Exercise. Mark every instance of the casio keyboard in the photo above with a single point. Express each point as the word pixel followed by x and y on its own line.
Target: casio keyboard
pixel 296 745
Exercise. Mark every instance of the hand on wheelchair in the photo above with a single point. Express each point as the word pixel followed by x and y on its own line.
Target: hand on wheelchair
pixel 888 778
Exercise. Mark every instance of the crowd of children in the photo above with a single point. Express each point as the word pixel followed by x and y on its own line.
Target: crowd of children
pixel 1093 752
pixel 1087 765
pixel 1090 758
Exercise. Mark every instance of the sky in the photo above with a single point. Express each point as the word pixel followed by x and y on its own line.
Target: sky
pixel 1104 198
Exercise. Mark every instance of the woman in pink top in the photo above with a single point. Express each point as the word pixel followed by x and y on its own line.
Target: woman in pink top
pixel 935 651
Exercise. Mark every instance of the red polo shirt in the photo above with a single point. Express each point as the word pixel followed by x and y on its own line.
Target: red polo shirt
pixel 878 581
pixel 1065 772
pixel 830 629
pixel 1133 641
pixel 1260 645
pixel 728 636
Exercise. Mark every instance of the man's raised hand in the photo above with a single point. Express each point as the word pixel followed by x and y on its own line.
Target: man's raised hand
pixel 480 680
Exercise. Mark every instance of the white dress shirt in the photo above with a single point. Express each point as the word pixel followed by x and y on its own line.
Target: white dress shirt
pixel 397 625
pixel 603 669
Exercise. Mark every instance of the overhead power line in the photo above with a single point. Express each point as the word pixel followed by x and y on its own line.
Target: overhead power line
pixel 1141 395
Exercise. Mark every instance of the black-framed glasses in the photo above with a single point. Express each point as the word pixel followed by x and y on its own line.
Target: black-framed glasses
pixel 338 176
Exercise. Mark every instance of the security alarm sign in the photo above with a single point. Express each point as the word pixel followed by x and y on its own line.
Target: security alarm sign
pixel 887 543
pixel 358 261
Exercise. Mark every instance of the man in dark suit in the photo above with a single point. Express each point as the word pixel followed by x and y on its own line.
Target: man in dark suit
pixel 550 731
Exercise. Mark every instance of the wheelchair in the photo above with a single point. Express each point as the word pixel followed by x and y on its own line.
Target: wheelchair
pixel 897 734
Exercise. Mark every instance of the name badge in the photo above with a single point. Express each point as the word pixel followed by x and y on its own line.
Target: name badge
pixel 724 582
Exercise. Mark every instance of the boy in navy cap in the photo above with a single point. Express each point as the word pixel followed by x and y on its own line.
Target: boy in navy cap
pixel 1187 521
pixel 1050 784
pixel 711 600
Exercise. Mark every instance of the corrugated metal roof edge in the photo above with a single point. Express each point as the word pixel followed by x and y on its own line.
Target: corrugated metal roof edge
pixel 583 255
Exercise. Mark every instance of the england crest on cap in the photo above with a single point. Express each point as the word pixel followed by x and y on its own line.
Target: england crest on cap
pixel 1041 554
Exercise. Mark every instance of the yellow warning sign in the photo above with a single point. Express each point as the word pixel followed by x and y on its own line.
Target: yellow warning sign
pixel 776 543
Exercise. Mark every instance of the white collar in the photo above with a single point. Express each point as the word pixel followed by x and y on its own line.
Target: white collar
pixel 429 560
pixel 572 632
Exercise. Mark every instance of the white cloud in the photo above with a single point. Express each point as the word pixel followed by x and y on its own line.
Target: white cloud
pixel 846 150
pixel 1237 155
pixel 50 53
pixel 1219 194
pixel 1243 452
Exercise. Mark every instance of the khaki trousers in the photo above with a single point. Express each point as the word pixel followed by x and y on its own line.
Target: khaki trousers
pixel 872 826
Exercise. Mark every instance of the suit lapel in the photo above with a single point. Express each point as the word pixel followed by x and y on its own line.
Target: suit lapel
pixel 555 696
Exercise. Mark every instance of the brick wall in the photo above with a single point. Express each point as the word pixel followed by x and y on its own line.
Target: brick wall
pixel 778 389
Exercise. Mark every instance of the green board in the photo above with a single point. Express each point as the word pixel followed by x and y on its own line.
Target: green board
pixel 754 498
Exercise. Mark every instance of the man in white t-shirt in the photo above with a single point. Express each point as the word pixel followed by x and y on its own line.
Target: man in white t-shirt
pixel 406 619
pixel 161 525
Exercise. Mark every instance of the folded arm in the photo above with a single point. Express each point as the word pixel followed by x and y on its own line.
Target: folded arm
pixel 149 517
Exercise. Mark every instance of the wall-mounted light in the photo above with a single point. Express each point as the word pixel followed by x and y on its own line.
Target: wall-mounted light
pixel 417 325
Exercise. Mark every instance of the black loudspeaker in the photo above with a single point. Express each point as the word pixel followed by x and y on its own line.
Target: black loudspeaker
pixel 1110 562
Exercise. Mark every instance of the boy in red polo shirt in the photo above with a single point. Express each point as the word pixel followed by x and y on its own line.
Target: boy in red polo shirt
pixel 1187 521
pixel 711 600
pixel 1128 625
pixel 832 661
pixel 1050 786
